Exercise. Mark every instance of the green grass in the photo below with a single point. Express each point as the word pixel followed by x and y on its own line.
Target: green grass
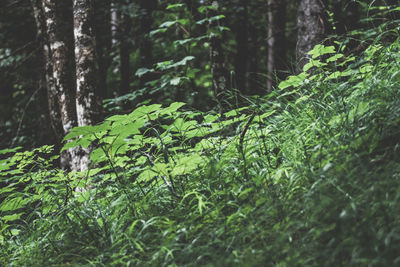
pixel 307 176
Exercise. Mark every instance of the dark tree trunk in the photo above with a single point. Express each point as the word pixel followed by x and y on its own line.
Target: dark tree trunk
pixel 241 32
pixel 61 69
pixel 252 85
pixel 146 45
pixel 276 42
pixel 87 75
pixel 311 28
pixel 220 75
pixel 125 47
pixel 103 42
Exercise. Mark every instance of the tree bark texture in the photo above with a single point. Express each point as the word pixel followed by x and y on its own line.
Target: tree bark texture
pixel 46 80
pixel 146 20
pixel 61 69
pixel 276 59
pixel 87 71
pixel 146 44
pixel 102 9
pixel 220 75
pixel 311 28
pixel 242 47
pixel 87 105
pixel 124 52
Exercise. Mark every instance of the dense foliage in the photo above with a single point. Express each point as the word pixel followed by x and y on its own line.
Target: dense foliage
pixel 303 176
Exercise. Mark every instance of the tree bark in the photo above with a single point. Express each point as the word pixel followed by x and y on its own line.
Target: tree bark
pixel 46 80
pixel 87 104
pixel 220 75
pixel 60 70
pixel 253 85
pixel 241 57
pixel 276 42
pixel 311 28
pixel 146 45
pixel 124 52
pixel 146 20
pixel 103 42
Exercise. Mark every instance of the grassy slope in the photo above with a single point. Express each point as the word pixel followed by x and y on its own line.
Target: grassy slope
pixel 318 185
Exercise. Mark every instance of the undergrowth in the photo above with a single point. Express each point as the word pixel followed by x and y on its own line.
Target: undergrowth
pixel 306 176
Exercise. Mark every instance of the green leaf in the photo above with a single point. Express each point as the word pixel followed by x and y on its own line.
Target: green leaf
pixel 313 63
pixel 182 62
pixel 294 81
pixel 320 50
pixel 187 164
pixel 174 6
pixel 147 175
pixel 10 218
pixel 172 108
pixel 13 204
pixel 334 58
pixel 175 81
pixel 9 150
pixel 154 32
pixel 142 71
pixel 215 18
pixel 167 24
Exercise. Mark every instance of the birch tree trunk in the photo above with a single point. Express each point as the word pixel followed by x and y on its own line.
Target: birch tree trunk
pixel 311 28
pixel 276 41
pixel 60 70
pixel 87 104
pixel 46 81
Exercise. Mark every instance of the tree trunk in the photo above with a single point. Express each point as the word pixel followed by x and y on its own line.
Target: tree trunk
pixel 60 70
pixel 87 104
pixel 46 80
pixel 146 45
pixel 114 24
pixel 103 42
pixel 311 28
pixel 252 85
pixel 241 57
pixel 276 42
pixel 220 75
pixel 124 50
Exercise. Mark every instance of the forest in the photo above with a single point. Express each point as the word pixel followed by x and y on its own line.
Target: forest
pixel 199 133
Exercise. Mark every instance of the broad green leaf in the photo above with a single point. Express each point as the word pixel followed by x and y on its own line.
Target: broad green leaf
pixel 172 108
pixel 313 63
pixel 13 204
pixel 154 32
pixel 293 81
pixel 175 81
pixel 174 6
pixel 186 164
pixel 182 62
pixel 208 20
pixel 9 150
pixel 334 58
pixel 320 50
pixel 142 71
pixel 167 24
pixel 147 175
pixel 10 218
